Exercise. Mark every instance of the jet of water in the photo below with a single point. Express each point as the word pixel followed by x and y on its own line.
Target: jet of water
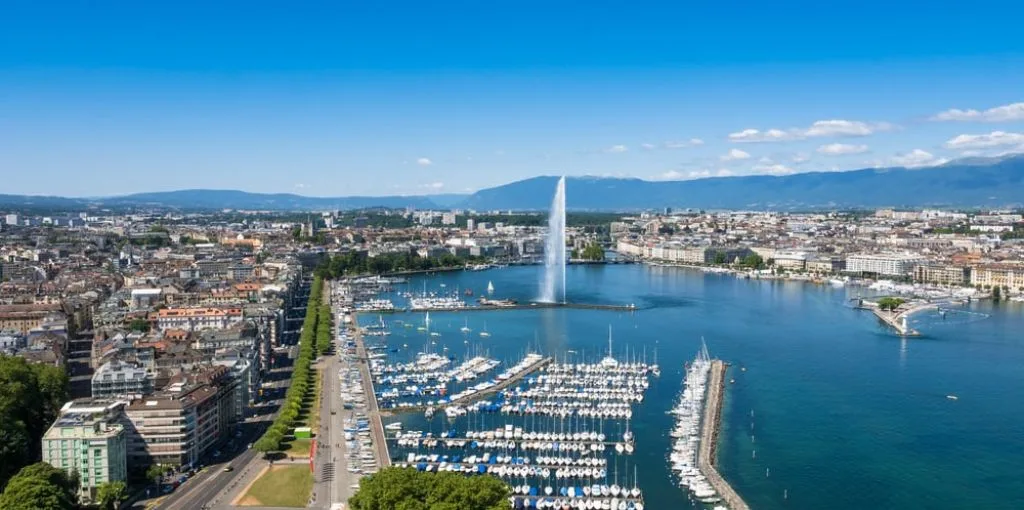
pixel 553 285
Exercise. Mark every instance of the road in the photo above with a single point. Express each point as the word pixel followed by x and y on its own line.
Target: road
pixel 207 488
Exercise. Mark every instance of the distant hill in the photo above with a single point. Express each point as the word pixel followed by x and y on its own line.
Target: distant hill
pixel 971 182
pixel 232 199
pixel 995 183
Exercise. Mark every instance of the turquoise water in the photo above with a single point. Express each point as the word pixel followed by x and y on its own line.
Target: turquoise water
pixel 843 414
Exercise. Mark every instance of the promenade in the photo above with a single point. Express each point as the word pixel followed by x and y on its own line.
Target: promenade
pixel 709 438
pixel 380 445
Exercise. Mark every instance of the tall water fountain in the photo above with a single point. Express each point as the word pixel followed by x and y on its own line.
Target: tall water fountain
pixel 553 289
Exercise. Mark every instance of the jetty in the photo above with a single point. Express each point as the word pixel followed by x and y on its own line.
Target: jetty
pixel 709 438
pixel 380 444
pixel 898 320
pixel 477 395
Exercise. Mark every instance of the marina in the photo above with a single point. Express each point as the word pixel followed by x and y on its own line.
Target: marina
pixel 579 336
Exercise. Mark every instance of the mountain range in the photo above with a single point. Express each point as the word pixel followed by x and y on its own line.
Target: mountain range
pixel 994 182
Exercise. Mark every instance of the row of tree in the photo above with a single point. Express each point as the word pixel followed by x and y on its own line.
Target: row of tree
pixel 31 396
pixel 302 380
pixel 408 489
pixel 359 263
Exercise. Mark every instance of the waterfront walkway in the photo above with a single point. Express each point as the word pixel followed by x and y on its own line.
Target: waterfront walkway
pixel 709 438
pixel 478 395
pixel 380 444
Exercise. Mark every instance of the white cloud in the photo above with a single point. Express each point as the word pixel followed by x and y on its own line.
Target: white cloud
pixel 616 149
pixel 917 158
pixel 841 149
pixel 993 139
pixel 773 169
pixel 699 174
pixel 735 155
pixel 300 186
pixel 821 128
pixel 1005 113
pixel 844 128
pixel 800 157
pixel 433 185
pixel 692 142
pixel 771 135
pixel 724 172
pixel 648 146
pixel 671 175
pixel 424 162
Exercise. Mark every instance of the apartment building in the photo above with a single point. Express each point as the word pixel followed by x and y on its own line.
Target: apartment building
pixel 896 264
pixel 196 319
pixel 181 423
pixel 942 275
pixel 998 275
pixel 121 379
pixel 89 438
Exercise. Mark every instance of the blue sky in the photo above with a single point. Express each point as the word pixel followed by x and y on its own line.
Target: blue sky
pixel 386 98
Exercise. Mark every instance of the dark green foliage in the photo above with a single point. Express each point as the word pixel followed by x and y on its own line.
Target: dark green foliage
pixel 30 397
pixel 39 486
pixel 110 495
pixel 753 261
pixel 357 263
pixel 593 251
pixel 310 344
pixel 890 303
pixel 404 488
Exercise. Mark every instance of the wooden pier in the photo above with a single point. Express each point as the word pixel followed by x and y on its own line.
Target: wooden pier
pixel 475 396
pixel 709 438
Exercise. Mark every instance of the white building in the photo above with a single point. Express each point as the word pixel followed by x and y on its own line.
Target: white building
pixel 88 439
pixel 896 264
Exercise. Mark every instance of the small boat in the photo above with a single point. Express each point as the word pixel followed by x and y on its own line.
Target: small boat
pixel 393 426
pixel 952 397
pixel 484 333
pixel 490 287
pixel 465 328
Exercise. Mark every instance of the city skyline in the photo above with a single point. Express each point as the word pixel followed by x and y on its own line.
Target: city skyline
pixel 443 99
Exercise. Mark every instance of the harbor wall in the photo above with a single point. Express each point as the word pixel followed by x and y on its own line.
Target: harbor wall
pixel 709 438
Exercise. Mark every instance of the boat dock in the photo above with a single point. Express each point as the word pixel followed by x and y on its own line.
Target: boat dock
pixel 380 444
pixel 709 438
pixel 475 396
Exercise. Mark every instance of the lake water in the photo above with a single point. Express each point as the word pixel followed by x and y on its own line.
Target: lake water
pixel 842 413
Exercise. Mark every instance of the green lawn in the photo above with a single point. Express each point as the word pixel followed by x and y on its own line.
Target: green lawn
pixel 297 447
pixel 281 486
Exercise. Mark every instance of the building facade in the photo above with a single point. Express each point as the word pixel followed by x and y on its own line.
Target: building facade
pixel 1010 276
pixel 121 379
pixel 90 440
pixel 942 275
pixel 883 264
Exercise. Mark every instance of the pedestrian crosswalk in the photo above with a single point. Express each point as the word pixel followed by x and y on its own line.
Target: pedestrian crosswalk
pixel 327 472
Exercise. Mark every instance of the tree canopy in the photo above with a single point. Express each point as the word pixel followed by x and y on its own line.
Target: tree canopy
pixel 110 495
pixel 315 337
pixel 31 396
pixel 890 303
pixel 39 486
pixel 593 251
pixel 357 263
pixel 408 489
